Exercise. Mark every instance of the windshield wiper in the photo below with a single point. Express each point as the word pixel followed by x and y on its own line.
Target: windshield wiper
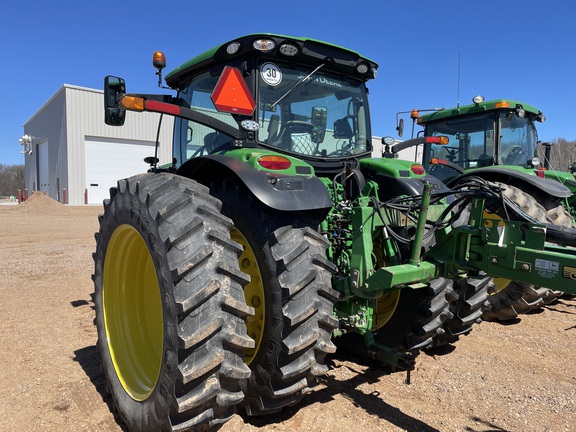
pixel 297 84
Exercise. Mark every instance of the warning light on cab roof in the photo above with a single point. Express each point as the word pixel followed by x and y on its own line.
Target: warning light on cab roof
pixel 502 104
pixel 159 60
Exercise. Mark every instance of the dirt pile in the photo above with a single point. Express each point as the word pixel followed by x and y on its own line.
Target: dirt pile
pixel 39 202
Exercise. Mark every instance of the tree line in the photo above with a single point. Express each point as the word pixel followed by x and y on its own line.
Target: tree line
pixel 11 179
pixel 562 154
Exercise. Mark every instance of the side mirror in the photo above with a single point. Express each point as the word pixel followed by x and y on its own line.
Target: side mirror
pixel 318 117
pixel 400 127
pixel 114 89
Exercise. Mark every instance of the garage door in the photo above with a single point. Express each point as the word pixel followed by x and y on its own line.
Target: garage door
pixel 107 161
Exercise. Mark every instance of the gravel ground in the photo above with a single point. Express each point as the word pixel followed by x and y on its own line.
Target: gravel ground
pixel 514 377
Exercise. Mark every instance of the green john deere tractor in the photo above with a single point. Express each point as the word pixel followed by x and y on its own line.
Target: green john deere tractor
pixel 224 278
pixel 496 141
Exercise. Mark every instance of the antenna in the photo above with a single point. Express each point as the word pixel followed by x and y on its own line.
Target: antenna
pixel 458 96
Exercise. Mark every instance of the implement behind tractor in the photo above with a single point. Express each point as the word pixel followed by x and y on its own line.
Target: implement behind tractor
pixel 497 142
pixel 224 278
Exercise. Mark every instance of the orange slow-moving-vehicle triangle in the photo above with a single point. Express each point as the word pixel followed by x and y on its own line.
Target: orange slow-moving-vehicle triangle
pixel 231 93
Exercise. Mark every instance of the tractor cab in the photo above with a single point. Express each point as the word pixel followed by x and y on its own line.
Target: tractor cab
pixel 308 101
pixel 299 97
pixel 484 134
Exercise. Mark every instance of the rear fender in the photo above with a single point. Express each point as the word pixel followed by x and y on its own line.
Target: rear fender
pixel 391 187
pixel 277 191
pixel 567 179
pixel 517 178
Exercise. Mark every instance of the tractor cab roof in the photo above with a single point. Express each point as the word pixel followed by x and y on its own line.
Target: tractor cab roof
pixel 294 49
pixel 465 110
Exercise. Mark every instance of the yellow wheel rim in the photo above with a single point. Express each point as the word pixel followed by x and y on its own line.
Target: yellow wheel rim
pixel 500 283
pixel 253 292
pixel 386 307
pixel 133 315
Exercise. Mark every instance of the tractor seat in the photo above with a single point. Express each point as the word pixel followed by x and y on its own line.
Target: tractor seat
pixel 216 141
pixel 485 160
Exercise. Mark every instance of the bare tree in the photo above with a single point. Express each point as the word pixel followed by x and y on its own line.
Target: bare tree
pixel 11 179
pixel 562 154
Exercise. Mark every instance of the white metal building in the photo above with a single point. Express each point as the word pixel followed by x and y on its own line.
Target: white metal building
pixel 72 153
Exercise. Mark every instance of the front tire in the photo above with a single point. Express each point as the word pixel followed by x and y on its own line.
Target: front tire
pixel 170 310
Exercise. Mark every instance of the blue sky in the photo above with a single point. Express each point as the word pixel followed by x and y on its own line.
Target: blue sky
pixel 517 50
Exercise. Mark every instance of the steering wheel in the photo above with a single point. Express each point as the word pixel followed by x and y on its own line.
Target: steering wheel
pixel 451 152
pixel 296 126
pixel 514 156
pixel 340 152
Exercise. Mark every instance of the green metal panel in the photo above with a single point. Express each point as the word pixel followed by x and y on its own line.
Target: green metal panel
pixel 475 109
pixel 251 156
pixel 397 168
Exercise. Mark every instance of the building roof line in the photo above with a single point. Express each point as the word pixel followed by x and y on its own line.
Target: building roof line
pixel 60 90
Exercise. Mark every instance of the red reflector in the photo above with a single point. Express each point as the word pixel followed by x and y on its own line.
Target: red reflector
pixel 417 169
pixel 274 162
pixel 539 173
pixel 231 93
pixel 163 107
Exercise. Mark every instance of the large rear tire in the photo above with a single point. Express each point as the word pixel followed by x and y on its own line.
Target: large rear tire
pixel 417 318
pixel 292 294
pixel 466 299
pixel 170 309
pixel 406 321
pixel 514 298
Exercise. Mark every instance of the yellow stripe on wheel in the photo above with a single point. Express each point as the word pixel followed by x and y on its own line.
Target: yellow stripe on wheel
pixel 253 292
pixel 386 307
pixel 133 313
